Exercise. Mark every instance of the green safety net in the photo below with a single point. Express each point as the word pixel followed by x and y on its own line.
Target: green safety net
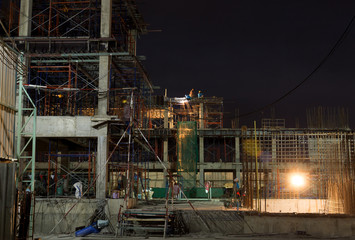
pixel 187 153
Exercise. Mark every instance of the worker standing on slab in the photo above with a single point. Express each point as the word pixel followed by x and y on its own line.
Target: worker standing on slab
pixel 191 95
pixel 200 94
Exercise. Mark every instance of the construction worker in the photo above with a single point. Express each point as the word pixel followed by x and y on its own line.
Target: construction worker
pixel 200 94
pixel 190 96
pixel 235 186
pixel 176 189
pixel 191 93
pixel 236 193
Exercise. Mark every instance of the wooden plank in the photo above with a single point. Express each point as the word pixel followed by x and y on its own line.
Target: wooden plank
pixel 146 219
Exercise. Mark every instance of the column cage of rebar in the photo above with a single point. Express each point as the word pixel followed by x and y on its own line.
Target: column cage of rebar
pixel 324 159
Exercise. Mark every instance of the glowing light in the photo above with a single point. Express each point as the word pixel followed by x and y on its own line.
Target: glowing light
pixel 297 180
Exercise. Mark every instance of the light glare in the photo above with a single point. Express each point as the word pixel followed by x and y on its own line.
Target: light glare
pixel 297 180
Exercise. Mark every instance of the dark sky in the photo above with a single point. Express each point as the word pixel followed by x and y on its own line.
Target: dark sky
pixel 252 52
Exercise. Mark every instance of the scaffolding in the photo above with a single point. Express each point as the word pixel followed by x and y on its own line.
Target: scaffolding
pixel 64 48
pixel 206 111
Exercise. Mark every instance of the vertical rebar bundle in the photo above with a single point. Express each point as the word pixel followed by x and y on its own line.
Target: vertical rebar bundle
pixel 324 161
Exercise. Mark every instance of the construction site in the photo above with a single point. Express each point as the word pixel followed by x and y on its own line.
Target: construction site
pixel 88 148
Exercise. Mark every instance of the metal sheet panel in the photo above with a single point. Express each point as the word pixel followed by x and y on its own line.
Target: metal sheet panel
pixel 7 200
pixel 7 102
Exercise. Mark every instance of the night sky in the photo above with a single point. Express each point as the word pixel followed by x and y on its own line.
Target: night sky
pixel 252 52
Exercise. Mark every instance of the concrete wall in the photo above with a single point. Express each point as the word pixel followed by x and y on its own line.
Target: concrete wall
pixel 298 205
pixel 317 226
pixel 233 222
pixel 51 211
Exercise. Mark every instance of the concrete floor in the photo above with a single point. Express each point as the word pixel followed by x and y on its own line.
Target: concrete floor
pixel 190 236
pixel 209 206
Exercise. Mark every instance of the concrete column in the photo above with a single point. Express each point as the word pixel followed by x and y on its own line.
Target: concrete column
pixel 104 78
pixel 165 149
pixel 25 18
pixel 202 160
pixel 101 169
pixel 201 116
pixel 104 67
pixel 166 118
pixel 237 159
pixel 106 18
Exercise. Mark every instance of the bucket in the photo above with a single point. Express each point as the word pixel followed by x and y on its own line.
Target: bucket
pixel 60 191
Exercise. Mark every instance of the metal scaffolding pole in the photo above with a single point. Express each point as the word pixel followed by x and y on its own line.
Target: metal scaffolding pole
pixel 31 141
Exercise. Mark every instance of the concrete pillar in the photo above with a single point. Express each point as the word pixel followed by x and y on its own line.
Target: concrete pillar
pixel 104 78
pixel 102 108
pixel 105 64
pixel 25 18
pixel 165 149
pixel 102 152
pixel 202 160
pixel 106 18
pixel 201 116
pixel 166 118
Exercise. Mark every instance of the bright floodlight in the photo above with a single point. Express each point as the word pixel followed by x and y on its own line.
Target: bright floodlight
pixel 297 180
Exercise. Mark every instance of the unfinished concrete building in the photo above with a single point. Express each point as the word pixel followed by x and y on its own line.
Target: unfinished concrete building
pixel 87 112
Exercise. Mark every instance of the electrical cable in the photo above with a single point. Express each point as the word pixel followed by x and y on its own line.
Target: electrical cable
pixel 322 62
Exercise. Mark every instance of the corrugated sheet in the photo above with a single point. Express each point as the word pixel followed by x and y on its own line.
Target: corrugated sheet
pixel 7 200
pixel 7 103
